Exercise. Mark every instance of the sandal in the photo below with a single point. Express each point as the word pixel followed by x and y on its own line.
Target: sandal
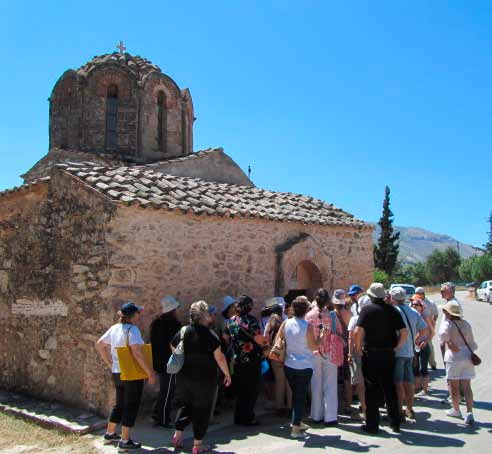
pixel 201 449
pixel 177 442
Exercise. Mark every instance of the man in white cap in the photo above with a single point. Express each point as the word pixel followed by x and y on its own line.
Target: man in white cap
pixel 380 331
pixel 417 330
pixel 162 331
pixel 434 315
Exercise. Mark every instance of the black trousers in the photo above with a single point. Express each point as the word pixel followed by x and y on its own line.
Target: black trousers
pixel 246 380
pixel 164 403
pixel 194 400
pixel 128 396
pixel 378 370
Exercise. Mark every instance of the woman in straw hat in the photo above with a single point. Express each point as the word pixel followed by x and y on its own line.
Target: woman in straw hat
pixel 457 337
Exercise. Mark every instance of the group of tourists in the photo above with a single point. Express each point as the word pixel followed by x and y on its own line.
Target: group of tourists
pixel 300 353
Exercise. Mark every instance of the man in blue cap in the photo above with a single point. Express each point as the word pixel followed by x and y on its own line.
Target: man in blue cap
pixel 355 291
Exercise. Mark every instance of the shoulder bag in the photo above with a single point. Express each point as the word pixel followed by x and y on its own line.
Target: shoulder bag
pixel 475 359
pixel 336 343
pixel 130 369
pixel 176 360
pixel 278 351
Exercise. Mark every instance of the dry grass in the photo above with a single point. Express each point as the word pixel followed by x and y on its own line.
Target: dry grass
pixel 18 435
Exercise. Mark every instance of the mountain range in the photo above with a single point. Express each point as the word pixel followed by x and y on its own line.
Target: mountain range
pixel 417 244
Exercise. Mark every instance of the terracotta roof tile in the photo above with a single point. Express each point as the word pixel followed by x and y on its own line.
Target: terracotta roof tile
pixel 142 186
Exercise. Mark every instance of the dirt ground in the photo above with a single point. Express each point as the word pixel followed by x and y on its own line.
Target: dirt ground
pixel 18 436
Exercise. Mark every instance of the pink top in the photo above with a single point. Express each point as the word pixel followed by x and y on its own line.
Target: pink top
pixel 314 319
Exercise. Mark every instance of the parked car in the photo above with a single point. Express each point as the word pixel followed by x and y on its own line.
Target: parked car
pixel 409 289
pixel 484 292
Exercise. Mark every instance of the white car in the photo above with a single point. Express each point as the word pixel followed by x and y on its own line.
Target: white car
pixel 484 292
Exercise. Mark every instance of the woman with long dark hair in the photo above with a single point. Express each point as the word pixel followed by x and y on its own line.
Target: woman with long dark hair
pixel 129 392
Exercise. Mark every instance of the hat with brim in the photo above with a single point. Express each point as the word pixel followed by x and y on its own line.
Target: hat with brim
pixel 453 308
pixel 227 302
pixel 376 290
pixel 168 304
pixel 273 302
pixel 339 297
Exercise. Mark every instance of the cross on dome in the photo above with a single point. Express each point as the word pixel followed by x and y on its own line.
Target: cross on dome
pixel 121 47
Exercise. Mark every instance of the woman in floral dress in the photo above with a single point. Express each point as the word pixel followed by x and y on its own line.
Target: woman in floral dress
pixel 242 329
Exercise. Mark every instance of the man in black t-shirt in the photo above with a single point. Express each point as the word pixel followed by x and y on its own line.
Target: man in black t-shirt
pixel 380 331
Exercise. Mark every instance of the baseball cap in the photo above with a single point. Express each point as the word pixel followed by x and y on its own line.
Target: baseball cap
pixel 354 289
pixel 420 290
pixel 130 308
pixel 398 293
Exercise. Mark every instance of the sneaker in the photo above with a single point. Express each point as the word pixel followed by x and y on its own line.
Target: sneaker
pixel 298 433
pixel 454 413
pixel 423 394
pixel 446 401
pixel 469 419
pixel 124 446
pixel 331 423
pixel 111 438
pixel 410 414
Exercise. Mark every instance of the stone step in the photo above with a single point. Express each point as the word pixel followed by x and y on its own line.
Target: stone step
pixel 51 415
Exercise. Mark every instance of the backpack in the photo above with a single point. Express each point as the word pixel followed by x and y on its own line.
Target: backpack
pixel 336 343
pixel 176 360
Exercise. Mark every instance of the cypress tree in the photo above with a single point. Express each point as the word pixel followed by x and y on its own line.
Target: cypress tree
pixel 387 248
pixel 488 244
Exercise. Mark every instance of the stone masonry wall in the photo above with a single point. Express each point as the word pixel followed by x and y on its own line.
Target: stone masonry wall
pixel 191 257
pixel 69 258
pixel 53 264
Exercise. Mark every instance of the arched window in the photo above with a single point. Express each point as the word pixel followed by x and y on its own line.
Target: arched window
pixel 161 121
pixel 111 117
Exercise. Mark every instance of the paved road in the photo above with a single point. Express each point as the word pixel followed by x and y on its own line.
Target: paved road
pixel 432 429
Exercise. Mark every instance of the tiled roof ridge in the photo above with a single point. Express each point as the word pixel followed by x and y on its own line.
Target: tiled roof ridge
pixel 194 155
pixel 145 187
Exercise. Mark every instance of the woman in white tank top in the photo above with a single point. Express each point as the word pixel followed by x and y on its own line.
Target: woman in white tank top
pixel 300 344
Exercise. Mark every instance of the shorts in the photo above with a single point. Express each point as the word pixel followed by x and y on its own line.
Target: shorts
pixel 404 370
pixel 460 370
pixel 356 370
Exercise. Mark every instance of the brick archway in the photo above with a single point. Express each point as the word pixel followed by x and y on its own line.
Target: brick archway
pixel 306 279
pixel 305 260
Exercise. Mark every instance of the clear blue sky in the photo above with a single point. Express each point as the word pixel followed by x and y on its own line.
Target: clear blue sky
pixel 331 99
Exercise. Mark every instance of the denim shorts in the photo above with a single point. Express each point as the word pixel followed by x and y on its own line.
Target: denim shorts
pixel 404 370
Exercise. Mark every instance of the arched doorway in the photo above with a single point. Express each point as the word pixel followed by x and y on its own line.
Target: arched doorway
pixel 305 280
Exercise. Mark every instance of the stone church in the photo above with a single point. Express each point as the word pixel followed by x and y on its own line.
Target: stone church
pixel 121 207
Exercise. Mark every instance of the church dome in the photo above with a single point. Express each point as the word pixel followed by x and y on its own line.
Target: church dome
pixel 139 66
pixel 123 105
